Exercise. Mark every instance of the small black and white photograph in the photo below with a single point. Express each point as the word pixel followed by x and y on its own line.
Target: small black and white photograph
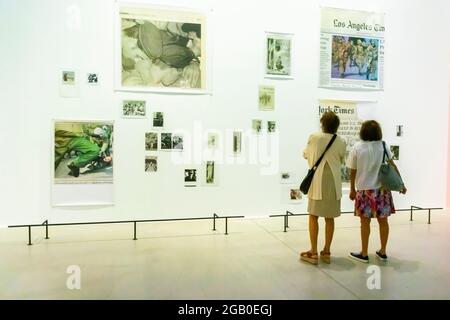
pixel 151 141
pixel 395 150
pixel 286 177
pixel 68 78
pixel 399 130
pixel 210 178
pixel 177 142
pixel 151 164
pixel 256 126
pixel 133 109
pixel 237 142
pixel 212 140
pixel 190 177
pixel 266 98
pixel 158 119
pixel 271 126
pixel 166 141
pixel 92 78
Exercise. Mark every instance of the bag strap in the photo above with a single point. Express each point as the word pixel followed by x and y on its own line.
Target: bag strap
pixel 385 153
pixel 326 149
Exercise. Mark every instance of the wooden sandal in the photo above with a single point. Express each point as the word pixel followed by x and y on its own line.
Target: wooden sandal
pixel 325 257
pixel 309 257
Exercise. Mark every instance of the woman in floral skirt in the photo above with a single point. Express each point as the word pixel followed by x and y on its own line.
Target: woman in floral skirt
pixel 371 200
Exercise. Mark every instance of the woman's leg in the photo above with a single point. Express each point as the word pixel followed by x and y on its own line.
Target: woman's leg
pixel 329 231
pixel 384 233
pixel 365 232
pixel 313 232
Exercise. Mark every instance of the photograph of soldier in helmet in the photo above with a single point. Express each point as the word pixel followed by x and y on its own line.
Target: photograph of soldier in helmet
pixel 354 58
pixel 83 152
pixel 161 53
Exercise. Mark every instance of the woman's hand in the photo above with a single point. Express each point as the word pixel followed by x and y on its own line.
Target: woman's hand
pixel 352 195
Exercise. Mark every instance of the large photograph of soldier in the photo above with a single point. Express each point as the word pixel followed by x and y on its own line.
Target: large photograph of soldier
pixel 160 50
pixel 83 152
pixel 354 58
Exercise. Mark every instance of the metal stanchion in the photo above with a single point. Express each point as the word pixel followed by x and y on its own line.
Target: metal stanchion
pixel 29 236
pixel 134 222
pixel 46 229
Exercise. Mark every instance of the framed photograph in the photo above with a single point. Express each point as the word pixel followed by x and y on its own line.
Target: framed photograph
pixel 287 177
pixel 68 84
pixel 256 126
pixel 166 141
pixel 92 78
pixel 151 141
pixel 161 49
pixel 83 152
pixel 266 98
pixel 271 126
pixel 151 164
pixel 295 195
pixel 290 195
pixel 190 177
pixel 395 150
pixel 68 78
pixel 210 174
pixel 399 130
pixel 134 109
pixel 177 142
pixel 237 142
pixel 213 139
pixel 278 55
pixel 158 120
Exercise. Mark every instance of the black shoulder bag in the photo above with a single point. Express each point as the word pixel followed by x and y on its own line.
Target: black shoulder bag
pixel 306 183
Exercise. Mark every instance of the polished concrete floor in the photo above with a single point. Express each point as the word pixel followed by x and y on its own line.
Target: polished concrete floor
pixel 257 260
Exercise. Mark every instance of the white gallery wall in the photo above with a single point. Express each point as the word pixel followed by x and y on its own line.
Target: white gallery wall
pixel 40 38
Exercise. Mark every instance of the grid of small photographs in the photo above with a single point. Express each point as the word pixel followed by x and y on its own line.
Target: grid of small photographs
pixel 151 145
pixel 156 141
pixel 68 77
pixel 160 141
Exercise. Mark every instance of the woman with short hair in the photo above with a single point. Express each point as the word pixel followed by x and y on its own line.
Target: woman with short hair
pixel 325 192
pixel 371 199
